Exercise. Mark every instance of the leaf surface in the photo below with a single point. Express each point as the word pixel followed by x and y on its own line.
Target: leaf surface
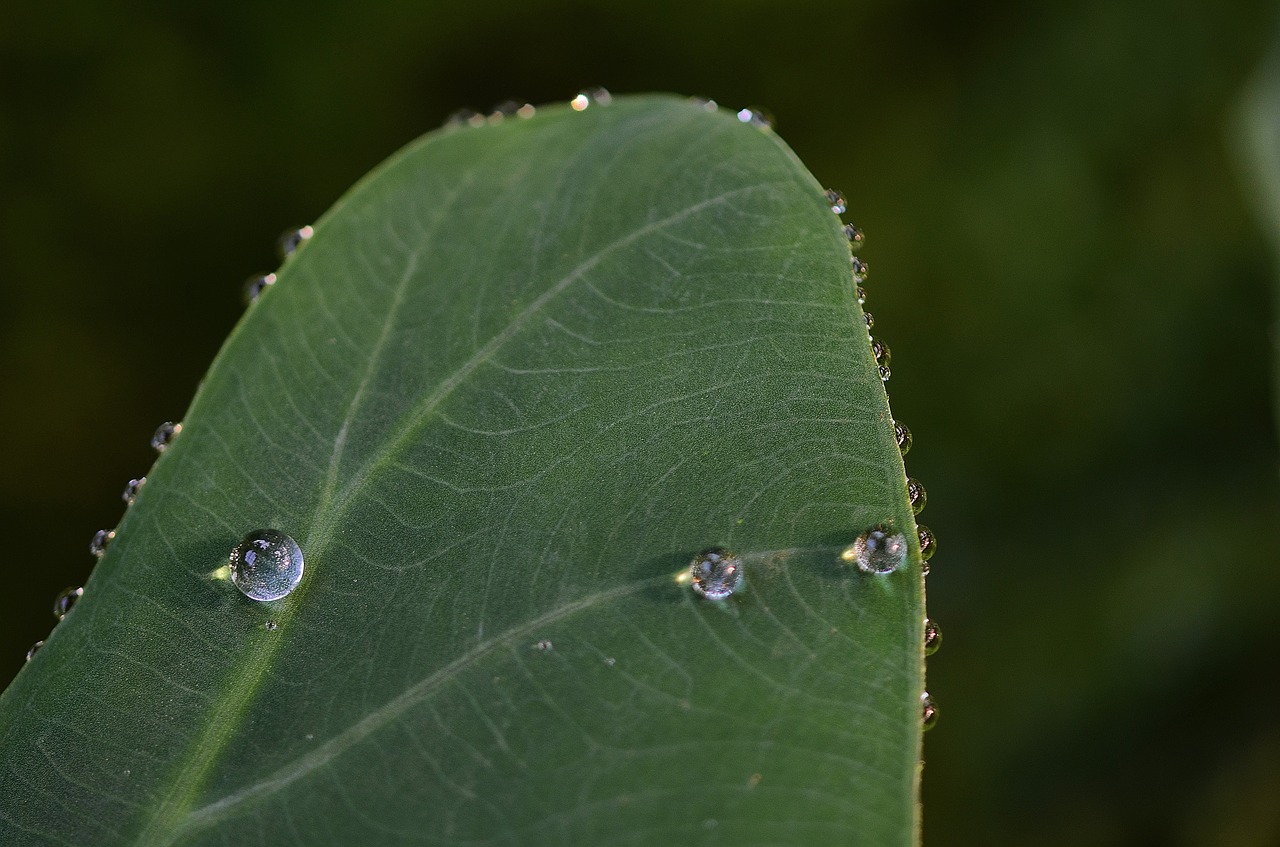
pixel 519 377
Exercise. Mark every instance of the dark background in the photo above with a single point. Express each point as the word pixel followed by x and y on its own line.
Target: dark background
pixel 1078 298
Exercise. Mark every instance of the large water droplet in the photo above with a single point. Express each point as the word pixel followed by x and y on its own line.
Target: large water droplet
pixel 881 351
pixel 836 199
pixel 255 285
pixel 64 601
pixel 932 637
pixel 34 647
pixel 928 712
pixel 164 436
pixel 928 542
pixel 716 573
pixel 293 240
pixel 878 550
pixel 903 436
pixel 917 495
pixel 855 236
pixel 101 540
pixel 131 490
pixel 757 117
pixel 266 564
pixel 860 269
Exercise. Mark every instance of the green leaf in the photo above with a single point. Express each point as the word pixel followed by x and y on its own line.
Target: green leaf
pixel 518 378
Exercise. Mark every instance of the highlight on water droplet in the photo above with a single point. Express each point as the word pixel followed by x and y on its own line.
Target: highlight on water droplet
pixel 917 495
pixel 716 573
pixel 101 540
pixel 879 550
pixel 855 236
pixel 903 436
pixel 928 542
pixel 266 565
pixel 34 648
pixel 65 600
pixel 255 285
pixel 836 199
pixel 580 103
pixel 165 435
pixel 860 269
pixel 292 240
pixel 932 637
pixel 928 711
pixel 131 490
pixel 756 117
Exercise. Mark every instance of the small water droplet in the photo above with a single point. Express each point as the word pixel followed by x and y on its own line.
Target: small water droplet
pixel 34 647
pixel 754 780
pixel 860 269
pixel 271 626
pixel 705 102
pixel 101 540
pixel 928 542
pixel 293 239
pixel 505 109
pixel 459 118
pixel 903 436
pixel 599 95
pixel 544 646
pixel 836 199
pixel 580 103
pixel 756 117
pixel 881 351
pixel 932 637
pixel 716 573
pixel 64 601
pixel 878 550
pixel 917 495
pixel 255 285
pixel 131 490
pixel 861 294
pixel 928 712
pixel 164 436
pixel 526 111
pixel 885 373
pixel 855 236
pixel 610 661
pixel 266 565
pixel 868 319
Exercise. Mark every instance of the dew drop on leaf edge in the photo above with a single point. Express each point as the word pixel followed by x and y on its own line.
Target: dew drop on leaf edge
pixel 31 654
pixel 879 550
pixel 932 637
pixel 928 542
pixel 165 433
pixel 101 541
pixel 917 496
pixel 266 565
pixel 928 712
pixel 65 600
pixel 292 240
pixel 716 573
pixel 255 285
pixel 131 490
pixel 903 436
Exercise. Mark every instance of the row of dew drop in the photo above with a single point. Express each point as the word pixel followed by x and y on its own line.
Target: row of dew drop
pixel 267 564
pixel 286 246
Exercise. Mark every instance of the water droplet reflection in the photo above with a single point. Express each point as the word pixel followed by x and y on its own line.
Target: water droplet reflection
pixel 879 550
pixel 266 565
pixel 64 601
pixel 165 435
pixel 101 540
pixel 932 637
pixel 928 712
pixel 916 495
pixel 928 542
pixel 716 573
pixel 903 436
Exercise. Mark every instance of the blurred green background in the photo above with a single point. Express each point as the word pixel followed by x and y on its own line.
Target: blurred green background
pixel 1064 262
